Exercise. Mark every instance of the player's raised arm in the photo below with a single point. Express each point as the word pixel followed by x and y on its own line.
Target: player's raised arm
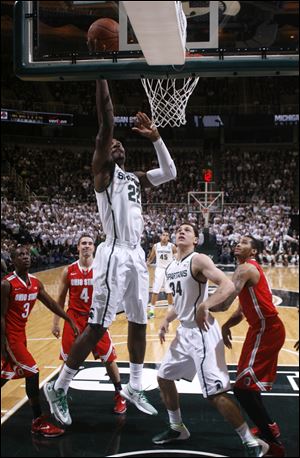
pixel 102 163
pixel 167 170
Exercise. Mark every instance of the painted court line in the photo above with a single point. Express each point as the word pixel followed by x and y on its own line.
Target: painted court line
pixel 22 402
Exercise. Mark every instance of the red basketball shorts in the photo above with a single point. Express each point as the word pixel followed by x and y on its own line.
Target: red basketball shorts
pixel 104 348
pixel 258 361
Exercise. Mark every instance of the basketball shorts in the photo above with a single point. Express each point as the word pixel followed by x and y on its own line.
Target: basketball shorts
pixel 194 351
pixel 104 348
pixel 258 361
pixel 20 362
pixel 160 281
pixel 120 280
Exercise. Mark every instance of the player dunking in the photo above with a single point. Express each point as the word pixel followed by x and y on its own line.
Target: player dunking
pixel 77 279
pixel 164 252
pixel 195 350
pixel 120 270
pixel 266 334
pixel 19 292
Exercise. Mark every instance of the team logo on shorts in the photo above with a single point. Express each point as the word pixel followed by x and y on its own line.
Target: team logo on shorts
pixel 247 381
pixel 219 384
pixel 91 314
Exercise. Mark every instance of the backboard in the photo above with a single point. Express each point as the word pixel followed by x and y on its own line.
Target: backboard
pixel 223 39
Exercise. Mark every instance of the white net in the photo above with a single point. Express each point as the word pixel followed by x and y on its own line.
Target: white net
pixel 168 99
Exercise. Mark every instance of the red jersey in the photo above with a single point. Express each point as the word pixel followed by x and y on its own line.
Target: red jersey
pixel 21 301
pixel 80 288
pixel 256 301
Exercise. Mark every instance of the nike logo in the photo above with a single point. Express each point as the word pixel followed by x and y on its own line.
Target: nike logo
pixel 45 427
pixel 123 401
pixel 73 273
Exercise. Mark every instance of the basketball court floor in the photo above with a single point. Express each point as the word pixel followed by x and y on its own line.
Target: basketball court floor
pixel 96 431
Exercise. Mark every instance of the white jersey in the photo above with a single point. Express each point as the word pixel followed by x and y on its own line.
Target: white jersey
pixel 186 290
pixel 120 207
pixel 164 254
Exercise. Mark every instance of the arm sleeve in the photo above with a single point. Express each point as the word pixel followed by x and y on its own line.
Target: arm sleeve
pixel 167 170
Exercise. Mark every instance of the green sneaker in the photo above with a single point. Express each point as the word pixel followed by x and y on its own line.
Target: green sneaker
pixel 259 449
pixel 58 403
pixel 174 433
pixel 151 314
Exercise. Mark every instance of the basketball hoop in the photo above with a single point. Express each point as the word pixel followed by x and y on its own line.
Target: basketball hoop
pixel 168 99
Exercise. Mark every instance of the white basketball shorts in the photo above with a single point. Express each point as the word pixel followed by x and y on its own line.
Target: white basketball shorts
pixel 160 281
pixel 194 351
pixel 120 278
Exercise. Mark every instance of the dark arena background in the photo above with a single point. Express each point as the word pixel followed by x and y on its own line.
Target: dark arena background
pixel 237 160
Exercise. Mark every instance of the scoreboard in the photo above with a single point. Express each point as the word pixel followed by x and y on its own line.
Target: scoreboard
pixel 35 117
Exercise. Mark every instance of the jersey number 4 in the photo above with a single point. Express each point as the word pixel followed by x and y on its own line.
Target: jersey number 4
pixel 176 288
pixel 84 296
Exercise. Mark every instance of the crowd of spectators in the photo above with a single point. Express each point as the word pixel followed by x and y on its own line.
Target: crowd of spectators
pixel 243 176
pixel 52 229
pixel 259 188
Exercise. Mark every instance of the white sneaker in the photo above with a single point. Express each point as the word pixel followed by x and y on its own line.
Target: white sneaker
pixel 58 403
pixel 174 433
pixel 139 399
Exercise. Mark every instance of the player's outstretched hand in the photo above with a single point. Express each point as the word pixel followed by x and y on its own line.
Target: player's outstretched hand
pixel 226 334
pixel 145 127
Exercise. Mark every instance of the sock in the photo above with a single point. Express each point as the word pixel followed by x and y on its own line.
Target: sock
pixel 135 378
pixel 245 434
pixel 36 409
pixel 252 403
pixel 152 307
pixel 118 387
pixel 65 378
pixel 175 417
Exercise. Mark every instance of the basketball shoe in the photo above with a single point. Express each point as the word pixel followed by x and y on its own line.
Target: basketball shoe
pixel 274 428
pixel 120 404
pixel 150 314
pixel 139 399
pixel 58 403
pixel 259 449
pixel 176 432
pixel 276 449
pixel 42 426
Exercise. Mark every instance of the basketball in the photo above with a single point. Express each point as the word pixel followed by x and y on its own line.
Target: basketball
pixel 104 34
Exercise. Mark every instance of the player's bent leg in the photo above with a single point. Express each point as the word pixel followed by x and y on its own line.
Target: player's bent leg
pixel 230 411
pixel 177 431
pixel 84 344
pixel 56 391
pixel 168 393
